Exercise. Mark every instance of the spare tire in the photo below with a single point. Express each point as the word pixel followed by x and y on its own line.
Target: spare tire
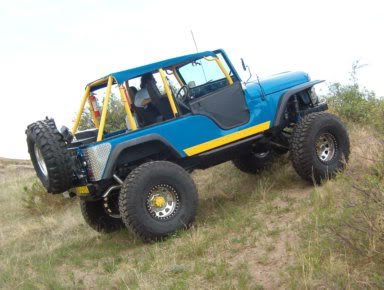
pixel 49 155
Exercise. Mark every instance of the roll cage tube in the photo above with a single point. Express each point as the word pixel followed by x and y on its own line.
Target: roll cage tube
pixel 81 110
pixel 219 63
pixel 105 109
pixel 168 92
pixel 222 68
pixel 124 98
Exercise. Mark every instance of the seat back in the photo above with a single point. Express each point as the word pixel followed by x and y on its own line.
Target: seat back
pixel 146 116
pixel 159 101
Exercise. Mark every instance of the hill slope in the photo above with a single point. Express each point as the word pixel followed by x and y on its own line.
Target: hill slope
pixel 248 234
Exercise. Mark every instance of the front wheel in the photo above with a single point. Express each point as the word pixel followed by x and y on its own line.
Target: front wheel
pixel 157 199
pixel 319 147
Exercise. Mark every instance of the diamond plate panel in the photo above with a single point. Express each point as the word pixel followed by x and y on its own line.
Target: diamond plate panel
pixel 97 157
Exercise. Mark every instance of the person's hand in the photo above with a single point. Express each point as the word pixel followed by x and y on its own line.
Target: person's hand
pixel 146 102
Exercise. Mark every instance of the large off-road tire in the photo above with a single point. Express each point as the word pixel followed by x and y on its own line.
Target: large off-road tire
pixel 319 147
pixel 49 156
pixel 102 215
pixel 157 199
pixel 254 163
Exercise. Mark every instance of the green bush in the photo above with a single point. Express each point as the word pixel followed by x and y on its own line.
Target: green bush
pixel 356 104
pixel 37 201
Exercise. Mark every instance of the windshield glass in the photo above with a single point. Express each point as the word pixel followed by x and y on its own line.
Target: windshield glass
pixel 202 71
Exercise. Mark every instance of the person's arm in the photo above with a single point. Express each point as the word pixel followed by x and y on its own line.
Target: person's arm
pixel 146 102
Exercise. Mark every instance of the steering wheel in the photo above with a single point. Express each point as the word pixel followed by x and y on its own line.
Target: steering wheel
pixel 182 99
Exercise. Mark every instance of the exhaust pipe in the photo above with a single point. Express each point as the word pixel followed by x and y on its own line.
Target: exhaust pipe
pixel 113 187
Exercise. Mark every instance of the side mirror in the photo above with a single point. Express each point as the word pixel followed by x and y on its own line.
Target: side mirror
pixel 243 64
pixel 245 68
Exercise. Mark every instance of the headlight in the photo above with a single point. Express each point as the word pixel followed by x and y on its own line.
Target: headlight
pixel 96 158
pixel 314 97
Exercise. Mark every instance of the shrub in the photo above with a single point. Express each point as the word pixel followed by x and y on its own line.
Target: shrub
pixel 36 200
pixel 356 104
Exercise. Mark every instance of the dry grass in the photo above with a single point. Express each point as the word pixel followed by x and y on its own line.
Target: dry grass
pixel 342 234
pixel 246 236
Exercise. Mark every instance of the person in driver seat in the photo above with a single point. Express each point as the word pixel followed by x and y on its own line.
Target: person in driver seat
pixel 142 97
pixel 147 112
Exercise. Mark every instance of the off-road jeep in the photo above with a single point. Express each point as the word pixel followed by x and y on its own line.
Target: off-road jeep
pixel 201 115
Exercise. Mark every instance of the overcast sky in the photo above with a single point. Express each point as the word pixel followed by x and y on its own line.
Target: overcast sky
pixel 49 50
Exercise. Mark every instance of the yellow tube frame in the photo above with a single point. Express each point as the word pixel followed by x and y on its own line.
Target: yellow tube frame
pixel 98 82
pixel 81 110
pixel 124 99
pixel 168 92
pixel 105 109
pixel 220 64
pixel 177 76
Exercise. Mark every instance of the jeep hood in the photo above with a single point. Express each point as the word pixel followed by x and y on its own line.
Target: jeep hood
pixel 278 82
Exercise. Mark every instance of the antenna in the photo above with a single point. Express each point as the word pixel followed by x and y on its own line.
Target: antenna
pixel 197 50
pixel 194 41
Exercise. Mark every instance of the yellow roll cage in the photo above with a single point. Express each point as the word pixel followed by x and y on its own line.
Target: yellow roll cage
pixel 125 97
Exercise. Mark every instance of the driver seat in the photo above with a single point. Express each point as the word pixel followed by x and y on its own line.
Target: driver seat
pixel 159 101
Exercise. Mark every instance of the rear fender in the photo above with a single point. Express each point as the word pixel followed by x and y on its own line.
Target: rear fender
pixel 138 149
pixel 284 100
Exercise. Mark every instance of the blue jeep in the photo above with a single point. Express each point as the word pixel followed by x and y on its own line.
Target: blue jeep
pixel 190 112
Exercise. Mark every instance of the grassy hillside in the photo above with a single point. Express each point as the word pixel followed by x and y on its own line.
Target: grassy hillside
pixel 252 232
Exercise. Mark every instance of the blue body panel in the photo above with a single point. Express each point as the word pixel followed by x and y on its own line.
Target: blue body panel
pixel 190 130
pixel 278 82
pixel 274 87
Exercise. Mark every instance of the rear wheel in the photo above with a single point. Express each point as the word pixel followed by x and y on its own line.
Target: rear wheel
pixel 102 215
pixel 157 199
pixel 319 147
pixel 255 162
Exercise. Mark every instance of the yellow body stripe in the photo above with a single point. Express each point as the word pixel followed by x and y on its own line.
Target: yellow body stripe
pixel 227 139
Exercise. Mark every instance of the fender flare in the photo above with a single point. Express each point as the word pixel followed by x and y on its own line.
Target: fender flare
pixel 119 148
pixel 287 95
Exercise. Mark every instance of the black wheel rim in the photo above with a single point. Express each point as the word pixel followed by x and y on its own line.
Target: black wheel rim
pixel 111 206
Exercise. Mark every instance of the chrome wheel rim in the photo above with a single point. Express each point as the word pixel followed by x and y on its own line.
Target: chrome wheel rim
pixel 326 147
pixel 40 161
pixel 162 201
pixel 111 206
